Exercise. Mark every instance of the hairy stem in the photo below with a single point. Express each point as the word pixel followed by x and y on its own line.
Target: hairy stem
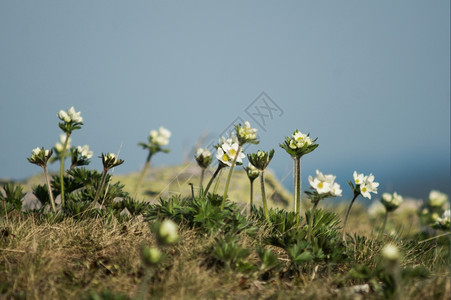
pixel 262 184
pixel 52 201
pixel 215 190
pixel 230 176
pixel 63 154
pixel 213 178
pixel 297 188
pixel 383 224
pixel 141 176
pixel 202 178
pixel 102 182
pixel 347 213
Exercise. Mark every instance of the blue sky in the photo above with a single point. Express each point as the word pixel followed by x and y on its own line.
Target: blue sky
pixel 371 80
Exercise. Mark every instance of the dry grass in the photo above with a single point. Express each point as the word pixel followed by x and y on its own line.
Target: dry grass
pixel 45 259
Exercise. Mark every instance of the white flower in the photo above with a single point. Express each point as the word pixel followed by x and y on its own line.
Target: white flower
pixel 36 151
pixel 367 186
pixel 75 116
pixel 390 252
pixel 232 150
pixel 160 137
pixel 299 140
pixel 223 157
pixel 168 231
pixel 63 116
pixel 336 190
pixel 324 184
pixel 70 115
pixel 394 198
pixel 437 199
pixel 358 178
pixel 227 152
pixel 164 132
pixel 203 152
pixel 84 151
pixel 445 220
pixel 246 132
pixel 59 146
pixel 252 171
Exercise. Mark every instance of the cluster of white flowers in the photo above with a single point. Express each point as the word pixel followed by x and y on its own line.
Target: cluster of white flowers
pixel 252 171
pixel 245 132
pixel 437 199
pixel 325 184
pixel 84 151
pixel 70 116
pixel 445 220
pixel 299 140
pixel 160 137
pixel 366 184
pixel 37 151
pixel 202 152
pixel 391 201
pixel 227 152
pixel 60 145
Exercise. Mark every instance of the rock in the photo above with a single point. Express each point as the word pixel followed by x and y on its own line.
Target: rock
pixel 125 212
pixel 118 199
pixel 30 202
pixel 99 206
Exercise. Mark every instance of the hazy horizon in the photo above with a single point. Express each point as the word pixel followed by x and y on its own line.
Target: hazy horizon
pixel 371 80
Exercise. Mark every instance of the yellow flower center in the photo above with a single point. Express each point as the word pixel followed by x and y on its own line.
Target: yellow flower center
pixel 364 189
pixel 225 157
pixel 232 152
pixel 320 185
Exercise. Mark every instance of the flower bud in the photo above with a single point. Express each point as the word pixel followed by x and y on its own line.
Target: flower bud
pixel 168 232
pixel 151 255
pixel 390 252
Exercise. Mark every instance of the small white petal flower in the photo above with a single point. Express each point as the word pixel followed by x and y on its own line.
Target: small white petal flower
pixel 437 199
pixel 390 252
pixel 84 151
pixel 164 132
pixel 321 187
pixel 336 190
pixel 36 151
pixel 153 134
pixel 359 178
pixel 365 191
pixel 223 157
pixel 325 184
pixel 63 116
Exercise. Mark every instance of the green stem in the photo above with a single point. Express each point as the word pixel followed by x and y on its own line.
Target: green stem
pixel 297 188
pixel 262 184
pixel 102 182
pixel 213 178
pixel 385 223
pixel 347 213
pixel 251 200
pixel 202 178
pixel 141 176
pixel 230 176
pixel 63 154
pixel 52 201
pixel 215 191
